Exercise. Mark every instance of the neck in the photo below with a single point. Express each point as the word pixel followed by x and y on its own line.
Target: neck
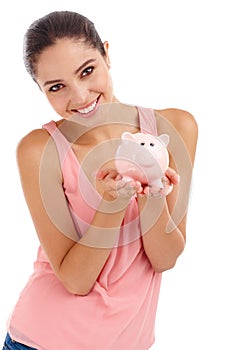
pixel 108 123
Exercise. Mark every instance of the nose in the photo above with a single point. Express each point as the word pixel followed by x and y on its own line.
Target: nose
pixel 78 95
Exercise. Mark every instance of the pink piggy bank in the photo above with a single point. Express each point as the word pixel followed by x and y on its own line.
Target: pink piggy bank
pixel 144 158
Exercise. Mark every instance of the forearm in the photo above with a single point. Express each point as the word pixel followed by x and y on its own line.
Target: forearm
pixel 83 263
pixel 163 240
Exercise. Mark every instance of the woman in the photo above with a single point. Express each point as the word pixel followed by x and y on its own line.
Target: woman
pixel 103 242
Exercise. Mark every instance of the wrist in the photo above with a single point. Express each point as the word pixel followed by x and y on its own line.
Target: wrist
pixel 110 205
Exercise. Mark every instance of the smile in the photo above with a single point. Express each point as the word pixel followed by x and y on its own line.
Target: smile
pixel 88 109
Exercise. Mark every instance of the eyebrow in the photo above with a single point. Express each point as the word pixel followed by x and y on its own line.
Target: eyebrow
pixel 91 60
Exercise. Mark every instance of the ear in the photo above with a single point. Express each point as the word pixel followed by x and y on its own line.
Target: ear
pixel 106 47
pixel 127 136
pixel 164 139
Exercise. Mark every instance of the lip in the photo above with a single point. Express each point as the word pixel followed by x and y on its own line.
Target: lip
pixel 93 111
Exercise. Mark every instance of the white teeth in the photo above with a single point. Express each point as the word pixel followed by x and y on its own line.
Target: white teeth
pixel 88 109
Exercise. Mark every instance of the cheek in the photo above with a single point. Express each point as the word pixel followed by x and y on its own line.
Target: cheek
pixel 57 103
pixel 103 80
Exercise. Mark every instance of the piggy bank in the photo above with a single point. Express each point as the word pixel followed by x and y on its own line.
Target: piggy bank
pixel 144 158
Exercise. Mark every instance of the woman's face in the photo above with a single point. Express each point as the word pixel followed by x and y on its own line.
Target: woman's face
pixel 75 78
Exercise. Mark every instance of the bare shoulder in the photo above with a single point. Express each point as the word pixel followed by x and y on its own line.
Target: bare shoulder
pixel 34 140
pixel 32 145
pixel 183 122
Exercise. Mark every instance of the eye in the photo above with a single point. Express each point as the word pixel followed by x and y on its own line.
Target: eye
pixel 56 87
pixel 87 71
pixel 152 144
pixel 142 143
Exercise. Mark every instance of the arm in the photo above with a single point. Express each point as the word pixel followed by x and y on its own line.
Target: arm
pixel 76 264
pixel 163 221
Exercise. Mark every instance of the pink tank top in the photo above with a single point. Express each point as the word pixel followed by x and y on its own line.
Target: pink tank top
pixel 119 312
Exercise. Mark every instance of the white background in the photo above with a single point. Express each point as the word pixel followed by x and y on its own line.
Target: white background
pixel 164 54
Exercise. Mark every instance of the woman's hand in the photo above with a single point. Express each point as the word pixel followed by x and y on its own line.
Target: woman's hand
pixel 113 185
pixel 172 176
pixel 169 179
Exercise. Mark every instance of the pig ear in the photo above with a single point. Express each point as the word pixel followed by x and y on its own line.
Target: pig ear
pixel 164 139
pixel 127 136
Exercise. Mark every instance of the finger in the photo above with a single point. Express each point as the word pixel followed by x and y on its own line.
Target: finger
pixel 101 174
pixel 173 176
pixel 118 177
pixel 139 187
pixel 106 174
pixel 125 188
pixel 111 175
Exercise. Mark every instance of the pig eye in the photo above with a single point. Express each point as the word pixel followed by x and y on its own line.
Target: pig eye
pixel 142 143
pixel 152 144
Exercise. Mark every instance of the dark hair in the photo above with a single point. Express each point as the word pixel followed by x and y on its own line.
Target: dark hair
pixel 45 31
